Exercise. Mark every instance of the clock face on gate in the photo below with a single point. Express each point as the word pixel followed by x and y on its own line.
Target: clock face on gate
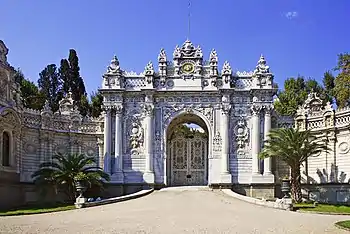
pixel 187 68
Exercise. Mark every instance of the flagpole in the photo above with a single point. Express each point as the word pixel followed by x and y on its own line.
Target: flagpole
pixel 189 20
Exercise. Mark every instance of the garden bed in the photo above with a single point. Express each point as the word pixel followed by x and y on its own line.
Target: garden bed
pixel 323 208
pixel 37 209
pixel 343 225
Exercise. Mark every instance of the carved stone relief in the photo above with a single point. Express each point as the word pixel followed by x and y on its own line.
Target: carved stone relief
pixel 343 147
pixel 240 138
pixel 217 142
pixel 134 134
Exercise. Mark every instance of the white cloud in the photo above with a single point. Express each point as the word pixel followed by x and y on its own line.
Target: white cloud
pixel 291 14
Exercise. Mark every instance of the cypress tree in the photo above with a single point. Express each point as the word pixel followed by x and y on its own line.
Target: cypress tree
pixel 64 72
pixel 50 85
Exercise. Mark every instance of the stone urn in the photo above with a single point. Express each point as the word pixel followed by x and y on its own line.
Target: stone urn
pixel 80 187
pixel 285 187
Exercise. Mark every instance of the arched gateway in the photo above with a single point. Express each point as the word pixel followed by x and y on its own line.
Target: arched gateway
pixel 187 151
pixel 142 111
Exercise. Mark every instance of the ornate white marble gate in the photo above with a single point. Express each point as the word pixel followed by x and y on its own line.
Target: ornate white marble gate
pixel 142 109
pixel 188 160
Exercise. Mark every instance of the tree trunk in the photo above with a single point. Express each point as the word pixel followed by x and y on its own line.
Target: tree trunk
pixel 295 182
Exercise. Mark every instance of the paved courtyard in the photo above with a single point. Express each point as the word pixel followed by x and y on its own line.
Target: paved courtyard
pixel 174 211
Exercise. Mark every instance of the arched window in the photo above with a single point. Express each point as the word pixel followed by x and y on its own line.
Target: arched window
pixel 6 149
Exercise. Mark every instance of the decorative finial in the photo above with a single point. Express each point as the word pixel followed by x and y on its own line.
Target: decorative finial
pixel 261 67
pixel 213 56
pixel 162 56
pixel 114 66
pixel 226 69
pixel 149 70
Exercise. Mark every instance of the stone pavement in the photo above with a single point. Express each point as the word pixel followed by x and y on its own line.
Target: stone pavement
pixel 177 211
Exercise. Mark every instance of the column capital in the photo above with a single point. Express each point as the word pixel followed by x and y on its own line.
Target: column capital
pixel 255 109
pixel 118 108
pixel 147 109
pixel 225 108
pixel 100 141
pixel 268 110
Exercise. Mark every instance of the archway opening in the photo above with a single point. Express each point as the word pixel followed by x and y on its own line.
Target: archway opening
pixel 187 151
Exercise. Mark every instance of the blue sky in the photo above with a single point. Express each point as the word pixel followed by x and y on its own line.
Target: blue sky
pixel 296 36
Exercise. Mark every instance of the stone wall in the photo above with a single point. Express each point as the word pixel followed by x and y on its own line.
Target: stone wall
pixel 326 176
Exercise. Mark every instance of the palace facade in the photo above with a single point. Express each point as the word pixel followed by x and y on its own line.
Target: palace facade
pixel 135 138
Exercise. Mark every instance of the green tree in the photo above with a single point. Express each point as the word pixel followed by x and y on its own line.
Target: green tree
pixel 328 83
pixel 293 147
pixel 62 171
pixel 76 82
pixel 295 93
pixel 64 73
pixel 30 94
pixel 50 85
pixel 96 104
pixel 84 106
pixel 342 81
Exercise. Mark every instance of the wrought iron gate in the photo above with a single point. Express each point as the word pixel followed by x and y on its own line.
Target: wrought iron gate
pixel 188 160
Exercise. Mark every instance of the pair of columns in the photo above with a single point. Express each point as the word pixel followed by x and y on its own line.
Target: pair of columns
pixel 107 147
pixel 256 144
pixel 225 110
pixel 117 171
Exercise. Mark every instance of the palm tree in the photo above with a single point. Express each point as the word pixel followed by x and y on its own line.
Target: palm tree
pixel 293 147
pixel 62 171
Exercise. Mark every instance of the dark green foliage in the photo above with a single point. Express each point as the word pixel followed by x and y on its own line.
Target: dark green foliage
pixel 96 104
pixel 69 73
pixel 64 72
pixel 84 106
pixel 293 147
pixel 50 85
pixel 342 81
pixel 77 83
pixel 31 96
pixel 295 93
pixel 328 83
pixel 187 132
pixel 60 173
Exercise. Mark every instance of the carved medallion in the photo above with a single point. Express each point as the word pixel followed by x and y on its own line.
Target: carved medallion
pixel 343 147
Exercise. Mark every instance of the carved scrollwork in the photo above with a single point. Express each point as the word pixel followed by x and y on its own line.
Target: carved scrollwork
pixel 147 109
pixel 255 109
pixel 242 133
pixel 268 109
pixel 217 142
pixel 136 137
pixel 225 108
pixel 118 108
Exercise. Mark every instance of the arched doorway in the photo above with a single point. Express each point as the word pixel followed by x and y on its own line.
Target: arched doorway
pixel 187 151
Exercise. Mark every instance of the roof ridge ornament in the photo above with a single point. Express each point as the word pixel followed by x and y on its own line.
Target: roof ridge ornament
pixel 114 67
pixel 262 66
pixel 149 69
pixel 162 55
pixel 226 69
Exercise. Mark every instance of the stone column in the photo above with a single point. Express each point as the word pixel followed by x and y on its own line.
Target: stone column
pixel 107 141
pixel 267 128
pixel 118 165
pixel 149 137
pixel 225 138
pixel 100 152
pixel 226 177
pixel 255 139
